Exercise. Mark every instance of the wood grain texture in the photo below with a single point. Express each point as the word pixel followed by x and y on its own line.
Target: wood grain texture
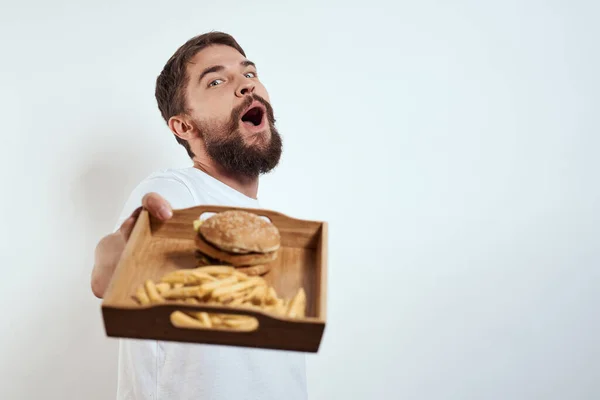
pixel 156 248
pixel 321 295
pixel 294 232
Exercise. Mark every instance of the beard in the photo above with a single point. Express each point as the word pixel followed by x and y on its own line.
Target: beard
pixel 225 143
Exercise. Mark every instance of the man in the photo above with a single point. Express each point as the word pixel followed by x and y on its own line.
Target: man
pixel 212 100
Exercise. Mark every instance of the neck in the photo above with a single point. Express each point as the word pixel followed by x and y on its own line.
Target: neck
pixel 243 184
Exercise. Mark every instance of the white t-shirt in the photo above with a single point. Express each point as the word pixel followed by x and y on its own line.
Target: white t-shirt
pixel 161 370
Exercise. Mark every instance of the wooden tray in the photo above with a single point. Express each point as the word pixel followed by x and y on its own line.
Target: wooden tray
pixel 156 248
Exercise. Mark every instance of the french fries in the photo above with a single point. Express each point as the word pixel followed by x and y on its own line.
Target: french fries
pixel 297 304
pixel 182 320
pixel 152 292
pixel 162 288
pixel 141 296
pixel 221 285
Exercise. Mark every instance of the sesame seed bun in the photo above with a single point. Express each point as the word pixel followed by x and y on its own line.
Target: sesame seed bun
pixel 240 232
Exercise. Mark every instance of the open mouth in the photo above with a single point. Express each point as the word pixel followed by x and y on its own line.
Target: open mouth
pixel 253 116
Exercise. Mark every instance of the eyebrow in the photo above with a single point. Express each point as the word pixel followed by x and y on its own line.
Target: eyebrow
pixel 219 68
pixel 210 70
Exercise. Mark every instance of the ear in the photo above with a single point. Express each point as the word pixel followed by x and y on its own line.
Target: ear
pixel 182 127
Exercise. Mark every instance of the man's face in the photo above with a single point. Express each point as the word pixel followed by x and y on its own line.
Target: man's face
pixel 231 110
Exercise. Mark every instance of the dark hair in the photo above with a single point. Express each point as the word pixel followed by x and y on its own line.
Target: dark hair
pixel 172 81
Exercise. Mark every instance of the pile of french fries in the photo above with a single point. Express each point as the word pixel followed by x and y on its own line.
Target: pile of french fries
pixel 222 285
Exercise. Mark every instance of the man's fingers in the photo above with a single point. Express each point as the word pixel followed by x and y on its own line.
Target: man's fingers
pixel 157 206
pixel 127 226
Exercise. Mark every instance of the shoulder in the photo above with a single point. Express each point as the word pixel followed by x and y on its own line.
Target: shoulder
pixel 168 183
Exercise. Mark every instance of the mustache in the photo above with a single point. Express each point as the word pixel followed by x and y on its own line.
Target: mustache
pixel 237 112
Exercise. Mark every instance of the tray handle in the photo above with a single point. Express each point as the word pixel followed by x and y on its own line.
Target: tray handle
pixel 185 215
pixel 179 225
pixel 199 210
pixel 251 321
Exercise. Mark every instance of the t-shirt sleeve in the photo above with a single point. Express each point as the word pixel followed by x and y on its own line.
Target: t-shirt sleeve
pixel 173 190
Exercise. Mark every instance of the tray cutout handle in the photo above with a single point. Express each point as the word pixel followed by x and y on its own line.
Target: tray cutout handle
pixel 214 321
pixel 205 214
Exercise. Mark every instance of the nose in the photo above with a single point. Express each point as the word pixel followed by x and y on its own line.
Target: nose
pixel 245 88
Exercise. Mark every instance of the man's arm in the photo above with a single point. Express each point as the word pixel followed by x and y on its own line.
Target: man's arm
pixel 110 248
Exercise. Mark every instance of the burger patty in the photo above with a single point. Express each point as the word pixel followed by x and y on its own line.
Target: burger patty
pixel 203 260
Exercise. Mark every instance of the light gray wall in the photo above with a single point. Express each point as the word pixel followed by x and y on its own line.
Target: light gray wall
pixel 452 146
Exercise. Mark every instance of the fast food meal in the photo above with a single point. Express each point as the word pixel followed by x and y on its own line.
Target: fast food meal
pixel 222 285
pixel 238 238
pixel 234 249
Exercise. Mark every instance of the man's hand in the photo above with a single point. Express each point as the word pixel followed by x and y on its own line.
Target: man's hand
pixel 110 248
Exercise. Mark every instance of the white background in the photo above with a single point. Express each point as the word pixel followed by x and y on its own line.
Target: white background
pixel 452 146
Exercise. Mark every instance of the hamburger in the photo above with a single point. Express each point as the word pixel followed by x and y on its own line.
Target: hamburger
pixel 237 238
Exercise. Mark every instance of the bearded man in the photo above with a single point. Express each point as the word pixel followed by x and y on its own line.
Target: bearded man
pixel 213 101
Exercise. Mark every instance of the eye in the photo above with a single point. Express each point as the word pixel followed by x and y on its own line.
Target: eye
pixel 250 74
pixel 215 82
